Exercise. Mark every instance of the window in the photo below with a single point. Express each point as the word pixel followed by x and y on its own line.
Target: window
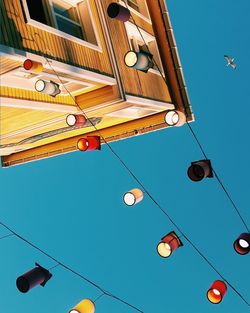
pixel 66 18
pixel 138 7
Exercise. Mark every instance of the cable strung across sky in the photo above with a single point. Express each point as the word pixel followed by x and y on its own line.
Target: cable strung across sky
pixel 144 189
pixel 59 263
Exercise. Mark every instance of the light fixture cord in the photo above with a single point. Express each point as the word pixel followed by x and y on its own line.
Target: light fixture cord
pixel 133 175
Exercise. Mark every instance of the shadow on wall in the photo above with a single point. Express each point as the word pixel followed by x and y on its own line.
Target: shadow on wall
pixel 9 35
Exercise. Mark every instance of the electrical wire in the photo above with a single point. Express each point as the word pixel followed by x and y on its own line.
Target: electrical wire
pixel 192 132
pixel 142 186
pixel 219 179
pixel 68 268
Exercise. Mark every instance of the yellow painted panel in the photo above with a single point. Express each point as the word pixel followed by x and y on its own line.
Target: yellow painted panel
pixel 34 95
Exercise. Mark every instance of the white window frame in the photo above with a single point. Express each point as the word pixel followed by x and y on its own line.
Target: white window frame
pixel 145 18
pixel 132 32
pixel 52 77
pixel 60 33
pixel 63 17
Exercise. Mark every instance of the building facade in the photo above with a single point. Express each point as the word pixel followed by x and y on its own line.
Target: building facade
pixel 75 45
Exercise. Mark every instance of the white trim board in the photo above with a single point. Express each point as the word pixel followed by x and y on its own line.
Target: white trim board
pixel 37 105
pixel 149 102
pixel 19 55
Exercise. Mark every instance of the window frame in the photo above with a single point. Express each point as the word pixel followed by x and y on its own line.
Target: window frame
pixel 54 16
pixel 138 13
pixel 134 3
pixel 60 33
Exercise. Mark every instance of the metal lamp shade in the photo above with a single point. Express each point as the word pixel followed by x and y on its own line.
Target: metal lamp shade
pixel 175 118
pixel 32 66
pixel 217 291
pixel 141 61
pixel 200 170
pixel 76 120
pixel 242 244
pixel 168 245
pixel 133 196
pixel 85 306
pixel 48 88
pixel 29 280
pixel 118 12
pixel 89 143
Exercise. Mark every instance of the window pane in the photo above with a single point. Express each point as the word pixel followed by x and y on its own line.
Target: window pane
pixel 36 10
pixel 69 27
pixel 66 11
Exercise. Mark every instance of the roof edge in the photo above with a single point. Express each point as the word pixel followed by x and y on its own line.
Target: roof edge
pixel 176 60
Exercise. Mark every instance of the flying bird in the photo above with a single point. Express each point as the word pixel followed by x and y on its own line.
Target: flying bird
pixel 230 61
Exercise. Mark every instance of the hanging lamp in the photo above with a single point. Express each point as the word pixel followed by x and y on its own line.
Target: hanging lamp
pixel 89 143
pixel 47 87
pixel 141 61
pixel 199 170
pixel 133 197
pixel 168 244
pixel 217 291
pixel 118 12
pixel 85 306
pixel 33 66
pixel 76 120
pixel 37 276
pixel 175 118
pixel 242 244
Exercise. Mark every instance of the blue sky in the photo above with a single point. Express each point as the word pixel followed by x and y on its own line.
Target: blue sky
pixel 71 205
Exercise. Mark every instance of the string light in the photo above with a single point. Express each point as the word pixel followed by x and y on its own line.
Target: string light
pixel 193 134
pixel 217 291
pixel 242 244
pixel 141 61
pixel 133 197
pixel 85 306
pixel 197 250
pixel 175 118
pixel 37 276
pixel 118 12
pixel 76 120
pixel 168 244
pixel 199 170
pixel 89 143
pixel 33 66
pixel 47 87
pixel 67 268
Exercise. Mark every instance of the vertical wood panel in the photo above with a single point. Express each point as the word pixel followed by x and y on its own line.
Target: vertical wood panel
pixel 148 85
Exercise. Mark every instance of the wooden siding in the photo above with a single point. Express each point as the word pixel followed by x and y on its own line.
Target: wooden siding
pixel 7 65
pixel 96 103
pixel 18 34
pixel 148 85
